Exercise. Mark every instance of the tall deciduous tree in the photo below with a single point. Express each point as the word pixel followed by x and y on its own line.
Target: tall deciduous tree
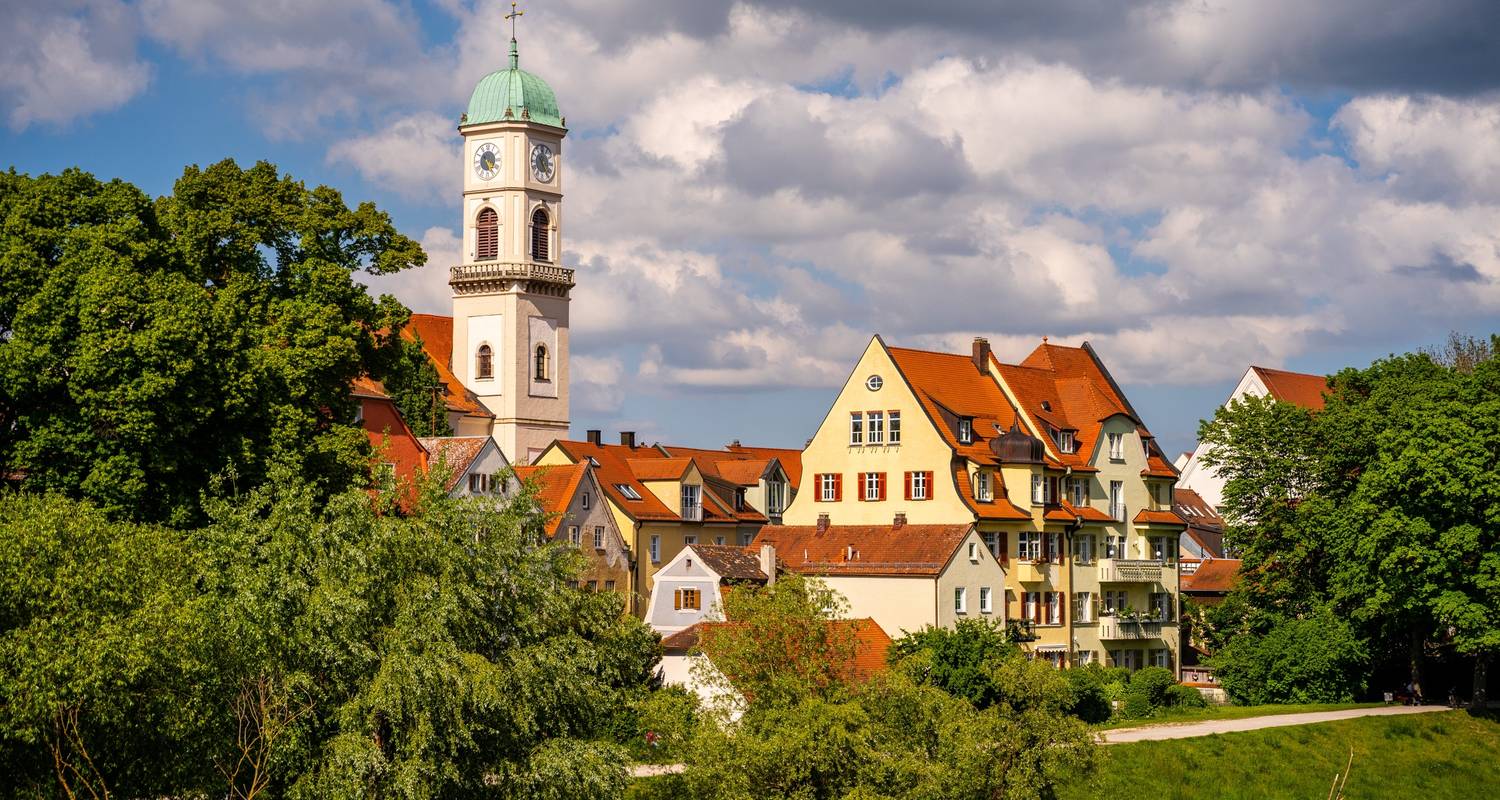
pixel 146 345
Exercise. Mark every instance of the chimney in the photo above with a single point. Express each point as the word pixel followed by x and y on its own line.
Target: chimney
pixel 594 435
pixel 627 438
pixel 768 562
pixel 822 523
pixel 981 354
pixel 735 443
pixel 899 522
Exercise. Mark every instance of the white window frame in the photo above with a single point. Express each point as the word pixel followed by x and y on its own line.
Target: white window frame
pixel 598 537
pixel 1038 490
pixel 692 501
pixel 1083 548
pixel 1053 607
pixel 919 485
pixel 1029 546
pixel 828 488
pixel 856 429
pixel 875 427
pixel 585 501
pixel 1082 658
pixel 1161 548
pixel 1117 500
pixel 1116 446
pixel 656 548
pixel 1029 603
pixel 1066 442
pixel 1160 657
pixel 1114 545
pixel 960 600
pixel 986 606
pixel 965 430
pixel 974 551
pixel 1078 490
pixel 628 491
pixel 871 486
pixel 775 497
pixel 1083 607
pixel 573 535
pixel 991 541
pixel 982 490
pixel 894 432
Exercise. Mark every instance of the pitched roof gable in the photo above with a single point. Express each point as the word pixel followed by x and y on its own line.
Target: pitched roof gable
pixel 730 562
pixel 790 458
pixel 436 335
pixel 1213 575
pixel 1297 388
pixel 555 487
pixel 613 471
pixel 457 452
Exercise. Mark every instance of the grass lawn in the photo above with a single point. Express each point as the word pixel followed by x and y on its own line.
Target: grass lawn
pixel 1170 716
pixel 1426 756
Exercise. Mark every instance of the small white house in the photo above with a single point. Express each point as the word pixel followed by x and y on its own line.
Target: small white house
pixel 690 587
pixel 475 464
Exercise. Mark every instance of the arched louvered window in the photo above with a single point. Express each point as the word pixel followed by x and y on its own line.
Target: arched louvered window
pixel 541 362
pixel 541 235
pixel 484 367
pixel 487 236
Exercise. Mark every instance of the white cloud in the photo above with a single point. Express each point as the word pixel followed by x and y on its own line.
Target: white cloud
pixel 415 155
pixel 424 289
pixel 595 384
pixel 61 62
pixel 1431 147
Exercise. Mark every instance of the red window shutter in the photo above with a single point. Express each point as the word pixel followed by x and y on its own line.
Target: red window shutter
pixel 818 488
pixel 1004 547
pixel 838 486
pixel 880 482
pixel 931 487
pixel 859 487
pixel 1062 607
pixel 908 486
pixel 1036 608
pixel 677 600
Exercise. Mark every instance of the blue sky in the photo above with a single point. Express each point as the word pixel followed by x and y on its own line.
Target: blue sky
pixel 756 188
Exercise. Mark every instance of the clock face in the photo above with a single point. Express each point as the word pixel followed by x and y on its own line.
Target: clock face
pixel 486 161
pixel 542 165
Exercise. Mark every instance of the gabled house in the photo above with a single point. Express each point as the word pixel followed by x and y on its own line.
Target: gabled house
pixel 746 481
pixel 398 458
pixel 1204 537
pixel 660 503
pixel 579 516
pixel 1297 388
pixel 474 464
pixel 905 577
pixel 691 587
pixel 689 652
pixel 1045 459
pixel 466 415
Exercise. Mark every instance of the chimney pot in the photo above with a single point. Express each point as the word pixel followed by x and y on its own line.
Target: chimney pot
pixel 768 562
pixel 981 354
pixel 595 435
pixel 899 522
pixel 627 438
pixel 822 523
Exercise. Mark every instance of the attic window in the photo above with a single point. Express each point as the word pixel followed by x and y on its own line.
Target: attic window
pixel 628 490
pixel 965 430
pixel 1066 442
pixel 1046 405
pixel 593 462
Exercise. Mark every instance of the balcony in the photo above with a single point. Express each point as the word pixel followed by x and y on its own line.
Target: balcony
pixel 1130 570
pixel 692 513
pixel 496 276
pixel 1114 628
pixel 1031 571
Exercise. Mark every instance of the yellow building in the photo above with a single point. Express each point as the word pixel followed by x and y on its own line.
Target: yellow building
pixel 1046 459
pixel 660 503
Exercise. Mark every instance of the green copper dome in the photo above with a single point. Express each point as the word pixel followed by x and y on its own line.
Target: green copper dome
pixel 513 94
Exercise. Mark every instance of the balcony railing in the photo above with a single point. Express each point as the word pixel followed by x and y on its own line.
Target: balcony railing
pixel 1031 571
pixel 1112 628
pixel 692 513
pixel 487 273
pixel 1130 570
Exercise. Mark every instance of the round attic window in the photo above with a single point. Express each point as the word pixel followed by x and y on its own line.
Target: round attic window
pixel 874 382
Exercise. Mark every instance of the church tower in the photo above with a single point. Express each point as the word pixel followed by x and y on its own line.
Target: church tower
pixel 510 293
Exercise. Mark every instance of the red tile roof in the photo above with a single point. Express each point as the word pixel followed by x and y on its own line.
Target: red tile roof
pixel 630 466
pixel 659 469
pixel 864 549
pixel 791 459
pixel 456 452
pixel 1215 575
pixel 949 386
pixel 999 508
pixel 1297 388
pixel 1145 517
pixel 436 334
pixel 555 486
pixel 730 562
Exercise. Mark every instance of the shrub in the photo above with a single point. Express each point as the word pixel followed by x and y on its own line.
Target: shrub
pixel 1147 691
pixel 1090 700
pixel 1314 659
pixel 1185 697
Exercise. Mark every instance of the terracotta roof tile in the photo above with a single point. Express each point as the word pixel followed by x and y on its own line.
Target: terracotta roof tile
pixel 436 334
pixel 658 469
pixel 871 644
pixel 613 472
pixel 949 386
pixel 1144 517
pixel 790 458
pixel 999 508
pixel 555 486
pixel 458 452
pixel 730 562
pixel 1297 388
pixel 1213 575
pixel 864 549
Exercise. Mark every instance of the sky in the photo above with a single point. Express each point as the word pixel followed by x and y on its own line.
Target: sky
pixel 754 189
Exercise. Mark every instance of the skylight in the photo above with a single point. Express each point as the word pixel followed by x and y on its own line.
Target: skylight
pixel 628 490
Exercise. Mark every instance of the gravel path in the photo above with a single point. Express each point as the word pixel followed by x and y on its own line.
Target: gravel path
pixel 1187 730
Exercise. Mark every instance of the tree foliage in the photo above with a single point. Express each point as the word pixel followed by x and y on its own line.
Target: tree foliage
pixel 960 660
pixel 146 345
pixel 289 649
pixel 1384 506
pixel 1312 659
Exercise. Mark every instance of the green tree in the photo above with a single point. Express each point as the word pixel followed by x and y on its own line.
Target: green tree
pixel 960 660
pixel 293 648
pixel 1315 659
pixel 148 345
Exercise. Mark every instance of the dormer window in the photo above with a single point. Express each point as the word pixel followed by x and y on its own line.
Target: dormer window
pixel 982 491
pixel 1117 446
pixel 1065 441
pixel 965 430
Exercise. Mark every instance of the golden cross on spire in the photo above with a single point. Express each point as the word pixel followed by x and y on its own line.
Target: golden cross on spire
pixel 512 17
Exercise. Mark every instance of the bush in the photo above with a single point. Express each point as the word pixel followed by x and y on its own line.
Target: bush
pixel 1147 691
pixel 1180 696
pixel 1090 699
pixel 1315 659
pixel 664 723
